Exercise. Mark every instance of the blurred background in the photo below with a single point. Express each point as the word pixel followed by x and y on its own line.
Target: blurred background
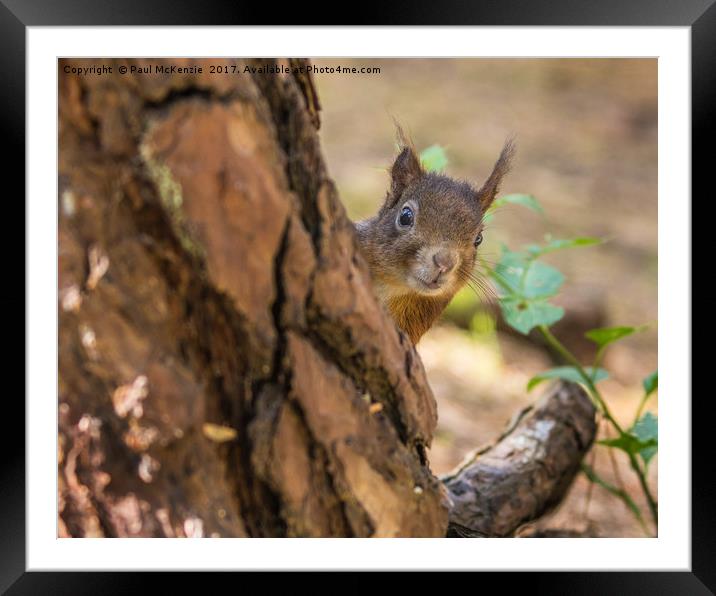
pixel 586 132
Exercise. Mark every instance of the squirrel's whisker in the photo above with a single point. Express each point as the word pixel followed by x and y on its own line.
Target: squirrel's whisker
pixel 478 284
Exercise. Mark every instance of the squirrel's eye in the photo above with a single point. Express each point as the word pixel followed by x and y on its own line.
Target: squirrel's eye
pixel 406 217
pixel 478 240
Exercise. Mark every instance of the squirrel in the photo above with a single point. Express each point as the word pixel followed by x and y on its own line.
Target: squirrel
pixel 421 246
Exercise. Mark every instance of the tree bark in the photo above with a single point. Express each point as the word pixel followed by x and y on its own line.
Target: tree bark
pixel 224 369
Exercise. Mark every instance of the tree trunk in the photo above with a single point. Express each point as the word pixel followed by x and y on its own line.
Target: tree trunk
pixel 224 367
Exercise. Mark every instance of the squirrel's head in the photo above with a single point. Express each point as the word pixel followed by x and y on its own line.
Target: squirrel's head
pixel 430 227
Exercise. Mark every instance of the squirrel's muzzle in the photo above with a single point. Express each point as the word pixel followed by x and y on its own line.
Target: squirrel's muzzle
pixel 444 260
pixel 435 268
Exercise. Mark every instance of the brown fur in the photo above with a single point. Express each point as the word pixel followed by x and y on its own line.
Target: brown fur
pixel 447 219
pixel 415 314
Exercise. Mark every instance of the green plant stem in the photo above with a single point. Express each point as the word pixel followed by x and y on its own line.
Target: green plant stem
pixel 594 478
pixel 640 409
pixel 653 508
pixel 601 404
pixel 598 357
pixel 593 391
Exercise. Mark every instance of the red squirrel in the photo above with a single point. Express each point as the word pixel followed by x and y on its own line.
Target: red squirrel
pixel 422 244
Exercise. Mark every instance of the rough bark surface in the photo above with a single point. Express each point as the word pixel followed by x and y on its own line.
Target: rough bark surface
pixel 224 369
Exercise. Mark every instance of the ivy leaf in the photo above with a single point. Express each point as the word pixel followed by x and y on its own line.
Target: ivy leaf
pixel 520 276
pixel 526 285
pixel 536 250
pixel 630 443
pixel 641 439
pixel 647 430
pixel 568 373
pixel 508 273
pixel 606 335
pixel 518 199
pixel 524 315
pixel 433 158
pixel 651 383
pixel 541 281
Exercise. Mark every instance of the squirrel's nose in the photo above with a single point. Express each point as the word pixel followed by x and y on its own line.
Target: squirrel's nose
pixel 444 260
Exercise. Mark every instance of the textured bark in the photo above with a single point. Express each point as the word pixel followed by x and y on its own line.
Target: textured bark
pixel 527 471
pixel 224 369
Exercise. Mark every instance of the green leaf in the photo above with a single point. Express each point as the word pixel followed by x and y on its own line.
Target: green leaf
pixel 651 383
pixel 508 273
pixel 647 431
pixel 518 199
pixel 515 199
pixel 526 285
pixel 631 443
pixel 519 273
pixel 523 315
pixel 520 276
pixel 535 250
pixel 607 335
pixel 434 158
pixel 541 281
pixel 568 373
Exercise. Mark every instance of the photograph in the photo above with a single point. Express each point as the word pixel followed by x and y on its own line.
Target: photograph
pixel 339 297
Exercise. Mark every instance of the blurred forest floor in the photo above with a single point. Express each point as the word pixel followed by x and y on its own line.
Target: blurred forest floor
pixel 587 149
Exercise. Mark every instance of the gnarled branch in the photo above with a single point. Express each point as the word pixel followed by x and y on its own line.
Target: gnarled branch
pixel 527 471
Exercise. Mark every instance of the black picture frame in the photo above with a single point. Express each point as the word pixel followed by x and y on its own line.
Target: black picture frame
pixel 17 15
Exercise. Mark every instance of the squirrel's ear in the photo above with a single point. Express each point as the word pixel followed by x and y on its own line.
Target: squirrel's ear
pixel 406 168
pixel 489 190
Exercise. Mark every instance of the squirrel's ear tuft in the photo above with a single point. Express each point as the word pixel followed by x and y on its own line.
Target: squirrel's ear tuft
pixel 406 168
pixel 486 195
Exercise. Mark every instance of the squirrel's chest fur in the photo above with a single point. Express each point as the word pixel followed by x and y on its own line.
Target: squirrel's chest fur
pixel 415 314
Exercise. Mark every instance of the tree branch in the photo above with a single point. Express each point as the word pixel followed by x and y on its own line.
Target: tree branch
pixel 527 471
